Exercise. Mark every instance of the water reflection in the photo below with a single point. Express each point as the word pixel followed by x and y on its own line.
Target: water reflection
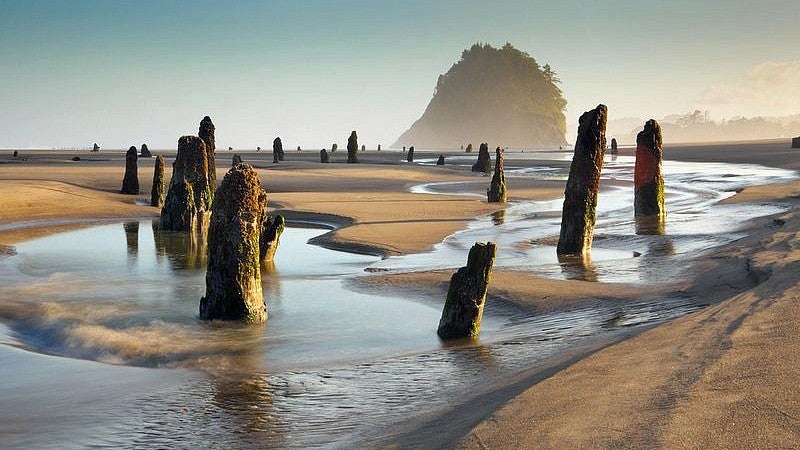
pixel 651 225
pixel 183 250
pixel 578 267
pixel 499 217
pixel 132 237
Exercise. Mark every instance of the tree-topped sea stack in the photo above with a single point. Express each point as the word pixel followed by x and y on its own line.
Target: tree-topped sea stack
pixel 648 181
pixel 130 182
pixel 463 309
pixel 271 230
pixel 484 163
pixel 145 152
pixel 233 277
pixel 352 148
pixel 206 133
pixel 580 195
pixel 410 155
pixel 277 150
pixel 157 191
pixel 189 195
pixel 497 190
pixel 494 94
pixel 324 157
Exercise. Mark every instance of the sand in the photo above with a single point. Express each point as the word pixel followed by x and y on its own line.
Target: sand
pixel 722 377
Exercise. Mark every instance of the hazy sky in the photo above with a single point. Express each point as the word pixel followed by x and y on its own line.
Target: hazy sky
pixel 121 73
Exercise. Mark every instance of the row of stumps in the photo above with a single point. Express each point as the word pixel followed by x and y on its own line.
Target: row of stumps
pixel 241 236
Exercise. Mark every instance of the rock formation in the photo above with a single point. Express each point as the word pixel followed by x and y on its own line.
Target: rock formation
pixel 334 147
pixel 324 157
pixel 614 150
pixel 469 148
pixel 233 277
pixel 796 142
pixel 157 191
pixel 410 156
pixel 145 152
pixel 271 230
pixel 463 309
pixel 189 195
pixel 236 160
pixel 497 190
pixel 277 150
pixel 206 133
pixel 96 147
pixel 494 94
pixel 580 195
pixel 440 161
pixel 130 183
pixel 648 181
pixel 352 148
pixel 484 163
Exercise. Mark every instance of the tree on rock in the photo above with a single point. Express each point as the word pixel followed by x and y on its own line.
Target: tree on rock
pixel 233 277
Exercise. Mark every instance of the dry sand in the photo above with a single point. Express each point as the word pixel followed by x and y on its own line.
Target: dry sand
pixel 722 377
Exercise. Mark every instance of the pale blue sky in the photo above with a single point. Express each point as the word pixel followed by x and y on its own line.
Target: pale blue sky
pixel 122 73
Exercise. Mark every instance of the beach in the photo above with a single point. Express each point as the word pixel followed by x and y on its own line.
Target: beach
pixel 721 376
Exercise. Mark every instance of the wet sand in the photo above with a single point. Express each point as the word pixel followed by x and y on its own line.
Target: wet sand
pixel 689 382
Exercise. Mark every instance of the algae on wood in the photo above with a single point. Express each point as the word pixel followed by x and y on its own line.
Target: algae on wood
pixel 580 196
pixel 466 296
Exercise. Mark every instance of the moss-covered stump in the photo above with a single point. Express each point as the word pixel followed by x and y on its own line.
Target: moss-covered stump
pixel 236 160
pixel 463 309
pixel 324 157
pixel 352 148
pixel 130 182
pixel 648 181
pixel 440 161
pixel 233 277
pixel 206 133
pixel 497 192
pixel 189 195
pixel 277 150
pixel 484 163
pixel 410 155
pixel 580 195
pixel 157 191
pixel 271 230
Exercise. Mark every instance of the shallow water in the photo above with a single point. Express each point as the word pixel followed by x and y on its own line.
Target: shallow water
pixel 117 305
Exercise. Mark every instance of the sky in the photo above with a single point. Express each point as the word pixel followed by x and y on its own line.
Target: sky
pixel 121 73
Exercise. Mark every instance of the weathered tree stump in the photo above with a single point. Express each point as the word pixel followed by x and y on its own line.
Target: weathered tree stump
pixel 334 147
pixel 324 157
pixel 363 148
pixel 271 230
pixel 580 195
pixel 206 133
pixel 379 147
pixel 469 148
pixel 648 180
pixel 233 277
pixel 277 150
pixel 352 148
pixel 440 161
pixel 130 183
pixel 614 149
pixel 96 148
pixel 463 309
pixel 236 160
pixel 796 142
pixel 410 155
pixel 497 192
pixel 157 191
pixel 189 195
pixel 484 163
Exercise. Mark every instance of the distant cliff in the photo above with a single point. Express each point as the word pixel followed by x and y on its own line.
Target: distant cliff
pixel 500 96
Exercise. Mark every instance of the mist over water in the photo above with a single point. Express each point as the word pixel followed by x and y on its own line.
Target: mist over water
pixel 134 367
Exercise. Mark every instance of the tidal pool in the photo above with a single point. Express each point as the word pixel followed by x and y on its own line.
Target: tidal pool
pixel 101 344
